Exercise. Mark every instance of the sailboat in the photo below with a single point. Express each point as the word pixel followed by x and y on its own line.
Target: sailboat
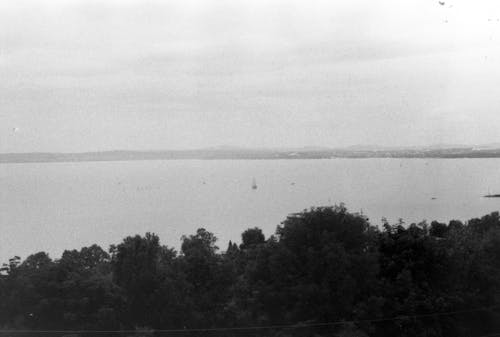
pixel 254 184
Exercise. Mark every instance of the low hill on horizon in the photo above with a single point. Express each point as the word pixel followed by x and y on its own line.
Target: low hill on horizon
pixel 229 152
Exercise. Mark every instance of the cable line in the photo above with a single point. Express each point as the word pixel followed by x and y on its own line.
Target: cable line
pixel 268 327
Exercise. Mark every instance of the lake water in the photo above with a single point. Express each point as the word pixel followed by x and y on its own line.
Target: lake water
pixel 57 206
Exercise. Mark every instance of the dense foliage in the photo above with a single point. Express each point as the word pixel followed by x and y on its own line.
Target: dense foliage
pixel 321 265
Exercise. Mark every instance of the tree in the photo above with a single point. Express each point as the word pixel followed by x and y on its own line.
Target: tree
pixel 209 277
pixel 252 237
pixel 136 264
pixel 318 266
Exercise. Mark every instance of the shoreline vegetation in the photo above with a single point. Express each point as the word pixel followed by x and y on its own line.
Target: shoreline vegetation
pixel 243 153
pixel 325 271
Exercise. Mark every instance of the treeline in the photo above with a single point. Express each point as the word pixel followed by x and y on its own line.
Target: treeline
pixel 322 265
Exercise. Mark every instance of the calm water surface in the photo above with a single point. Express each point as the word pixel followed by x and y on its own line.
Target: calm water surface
pixel 57 206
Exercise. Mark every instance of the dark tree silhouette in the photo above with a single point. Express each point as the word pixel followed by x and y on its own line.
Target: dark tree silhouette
pixel 321 265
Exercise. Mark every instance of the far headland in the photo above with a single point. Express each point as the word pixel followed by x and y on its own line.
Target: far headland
pixel 229 152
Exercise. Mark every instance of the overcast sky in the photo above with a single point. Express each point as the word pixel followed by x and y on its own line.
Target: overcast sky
pixel 99 75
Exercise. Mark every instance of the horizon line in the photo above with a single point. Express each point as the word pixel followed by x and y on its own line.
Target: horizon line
pixel 355 147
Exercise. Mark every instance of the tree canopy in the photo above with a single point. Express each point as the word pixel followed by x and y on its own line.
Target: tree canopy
pixel 321 265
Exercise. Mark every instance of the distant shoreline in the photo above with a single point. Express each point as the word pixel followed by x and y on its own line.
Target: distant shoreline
pixel 246 154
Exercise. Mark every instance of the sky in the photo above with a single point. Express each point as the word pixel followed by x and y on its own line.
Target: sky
pixel 121 74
